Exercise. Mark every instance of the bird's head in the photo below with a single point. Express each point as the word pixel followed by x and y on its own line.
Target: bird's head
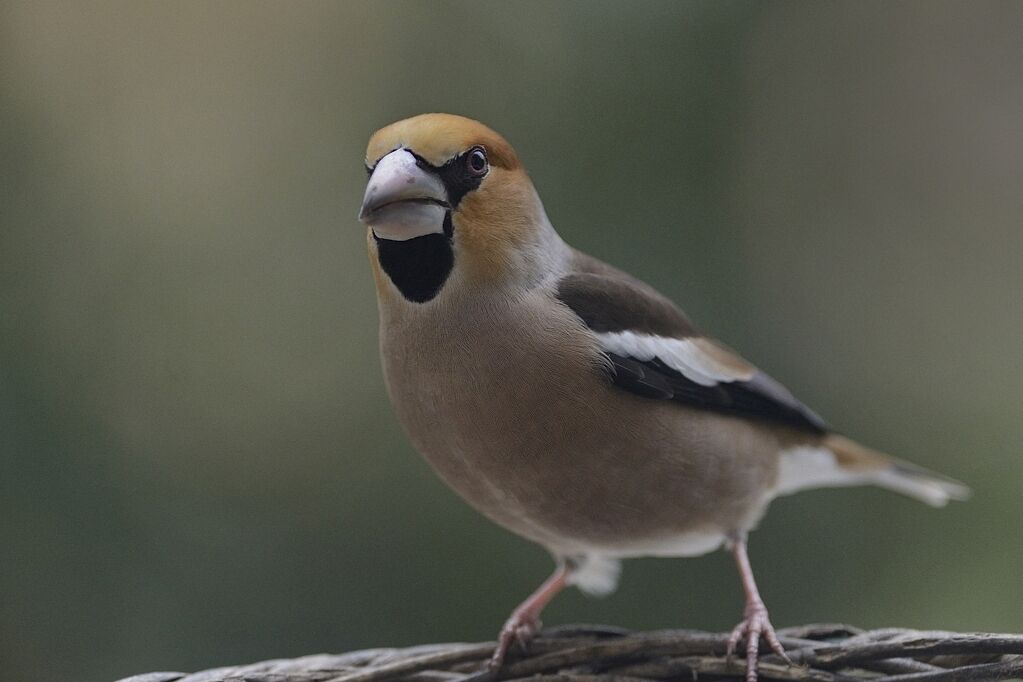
pixel 449 205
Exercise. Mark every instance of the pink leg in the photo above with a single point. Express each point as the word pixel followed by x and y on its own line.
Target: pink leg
pixel 756 622
pixel 524 622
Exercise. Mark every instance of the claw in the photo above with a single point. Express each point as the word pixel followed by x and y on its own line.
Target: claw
pixel 755 625
pixel 524 623
pixel 519 629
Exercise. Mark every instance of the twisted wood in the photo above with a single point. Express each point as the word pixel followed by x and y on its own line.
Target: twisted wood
pixel 588 653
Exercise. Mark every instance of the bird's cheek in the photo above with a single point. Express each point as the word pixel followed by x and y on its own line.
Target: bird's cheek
pixel 482 252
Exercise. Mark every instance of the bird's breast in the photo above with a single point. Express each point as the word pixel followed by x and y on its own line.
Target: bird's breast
pixel 511 406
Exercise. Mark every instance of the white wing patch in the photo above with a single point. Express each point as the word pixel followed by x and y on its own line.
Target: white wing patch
pixel 694 358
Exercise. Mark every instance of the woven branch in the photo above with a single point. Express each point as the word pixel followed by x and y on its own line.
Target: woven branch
pixel 588 653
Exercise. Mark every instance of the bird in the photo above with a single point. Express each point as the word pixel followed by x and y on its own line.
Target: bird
pixel 568 401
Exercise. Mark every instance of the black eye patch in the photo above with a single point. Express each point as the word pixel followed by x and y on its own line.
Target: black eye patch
pixel 458 178
pixel 456 175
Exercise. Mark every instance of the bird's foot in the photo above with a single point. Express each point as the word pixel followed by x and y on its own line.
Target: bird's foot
pixel 520 628
pixel 755 625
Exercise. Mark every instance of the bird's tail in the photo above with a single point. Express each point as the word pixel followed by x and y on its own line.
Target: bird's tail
pixel 838 461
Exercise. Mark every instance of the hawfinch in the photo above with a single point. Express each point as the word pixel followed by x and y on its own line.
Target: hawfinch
pixel 565 399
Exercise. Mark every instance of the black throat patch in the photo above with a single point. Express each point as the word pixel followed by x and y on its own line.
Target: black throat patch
pixel 418 267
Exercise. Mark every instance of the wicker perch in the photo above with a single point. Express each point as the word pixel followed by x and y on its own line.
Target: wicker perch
pixel 594 653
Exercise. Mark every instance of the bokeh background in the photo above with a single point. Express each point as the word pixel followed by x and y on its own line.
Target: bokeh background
pixel 198 463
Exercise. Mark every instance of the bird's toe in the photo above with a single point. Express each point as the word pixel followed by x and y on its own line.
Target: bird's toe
pixel 519 629
pixel 755 625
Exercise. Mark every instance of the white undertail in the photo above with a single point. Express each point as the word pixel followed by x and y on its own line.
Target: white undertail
pixel 807 467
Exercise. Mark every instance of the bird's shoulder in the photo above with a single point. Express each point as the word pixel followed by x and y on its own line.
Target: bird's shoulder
pixel 656 351
pixel 609 300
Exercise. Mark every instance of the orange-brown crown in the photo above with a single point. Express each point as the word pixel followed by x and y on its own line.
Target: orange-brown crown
pixel 440 137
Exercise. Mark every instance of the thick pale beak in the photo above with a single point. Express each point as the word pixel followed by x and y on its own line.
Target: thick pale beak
pixel 403 201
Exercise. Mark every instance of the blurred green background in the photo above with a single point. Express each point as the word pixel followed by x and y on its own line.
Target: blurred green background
pixel 198 463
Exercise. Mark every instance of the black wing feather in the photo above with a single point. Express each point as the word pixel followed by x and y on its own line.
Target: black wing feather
pixel 608 300
pixel 654 379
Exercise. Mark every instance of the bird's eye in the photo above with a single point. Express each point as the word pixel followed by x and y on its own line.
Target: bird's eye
pixel 476 161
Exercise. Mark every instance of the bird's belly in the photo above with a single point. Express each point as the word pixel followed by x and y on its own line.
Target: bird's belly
pixel 551 450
